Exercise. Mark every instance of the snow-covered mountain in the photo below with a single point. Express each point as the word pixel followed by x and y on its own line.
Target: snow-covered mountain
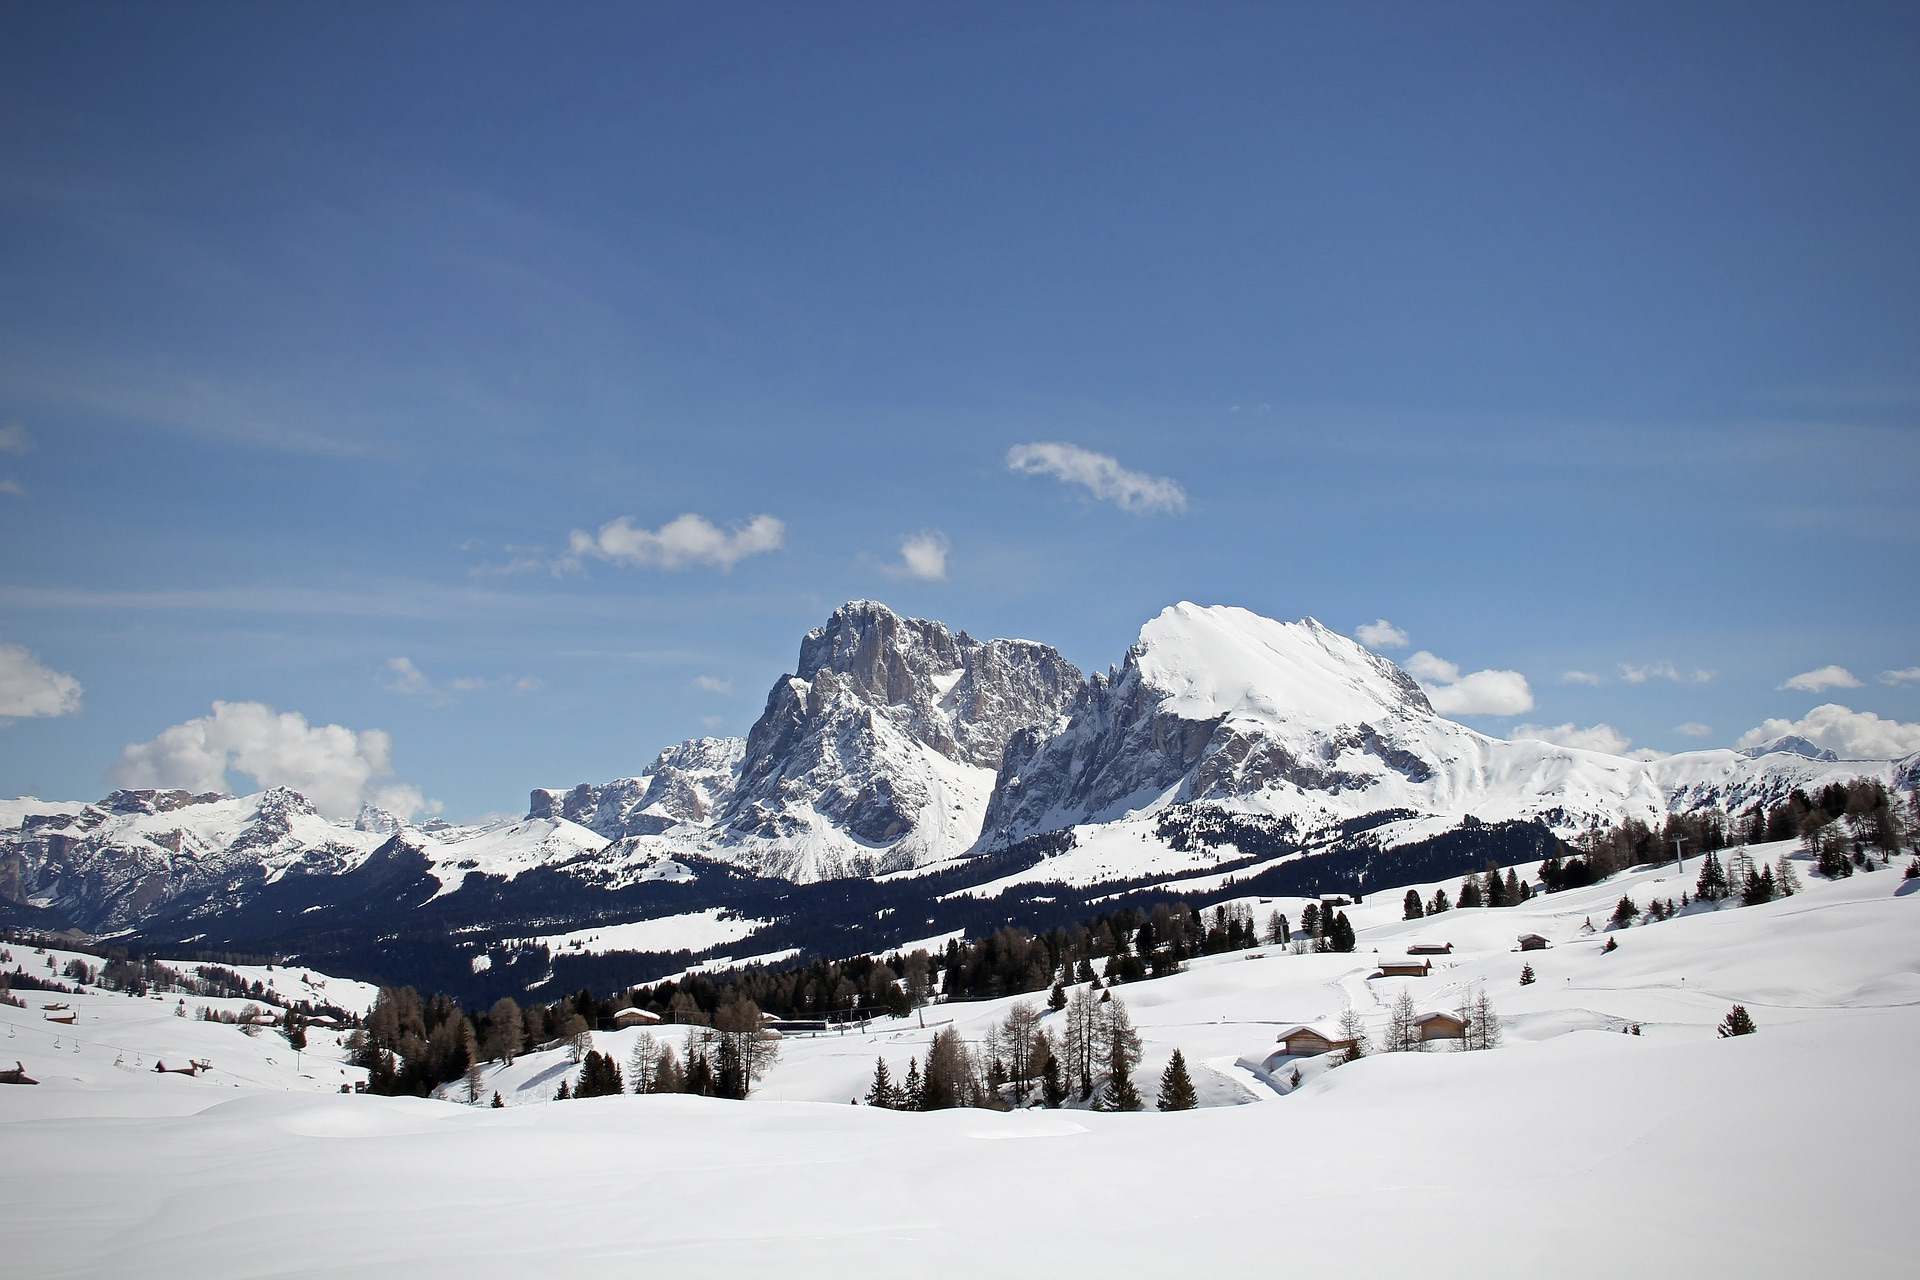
pixel 900 772
pixel 1292 720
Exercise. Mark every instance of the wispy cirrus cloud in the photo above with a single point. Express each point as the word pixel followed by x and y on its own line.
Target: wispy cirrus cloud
pixel 1905 675
pixel 1100 475
pixel 1633 674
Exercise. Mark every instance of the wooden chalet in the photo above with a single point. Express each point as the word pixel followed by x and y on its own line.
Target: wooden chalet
pixel 65 1019
pixel 1405 968
pixel 1440 1026
pixel 1532 942
pixel 1305 1042
pixel 1430 949
pixel 634 1018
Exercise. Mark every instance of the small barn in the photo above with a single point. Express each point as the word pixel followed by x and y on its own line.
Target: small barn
pixel 1405 968
pixel 1305 1042
pixel 634 1018
pixel 1440 1026
pixel 1532 942
pixel 1430 949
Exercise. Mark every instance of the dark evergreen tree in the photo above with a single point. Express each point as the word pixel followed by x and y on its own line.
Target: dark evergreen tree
pixel 1712 884
pixel 1053 1090
pixel 1626 912
pixel 1340 934
pixel 1176 1086
pixel 1759 889
pixel 1057 998
pixel 1470 893
pixel 882 1092
pixel 1526 975
pixel 1412 909
pixel 294 1027
pixel 1514 891
pixel 1737 1023
pixel 1439 903
pixel 496 1099
pixel 912 1092
pixel 562 1093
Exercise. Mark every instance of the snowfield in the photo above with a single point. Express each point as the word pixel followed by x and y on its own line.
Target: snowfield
pixel 1571 1150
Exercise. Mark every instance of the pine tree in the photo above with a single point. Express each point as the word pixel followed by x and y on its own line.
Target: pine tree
pixel 1786 882
pixel 1053 1091
pixel 1623 914
pixel 1057 998
pixel 1176 1087
pixel 1737 1023
pixel 1712 884
pixel 1514 889
pixel 1759 888
pixel 496 1099
pixel 1439 903
pixel 562 1093
pixel 1412 909
pixel 1526 975
pixel 881 1094
pixel 912 1094
pixel 1470 892
pixel 1277 932
pixel 1340 935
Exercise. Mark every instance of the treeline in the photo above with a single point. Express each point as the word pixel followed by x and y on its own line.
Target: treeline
pixel 1844 825
pixel 1488 889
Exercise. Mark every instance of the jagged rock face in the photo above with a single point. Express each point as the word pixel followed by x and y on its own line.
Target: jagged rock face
pixel 887 734
pixel 1213 704
pixel 687 784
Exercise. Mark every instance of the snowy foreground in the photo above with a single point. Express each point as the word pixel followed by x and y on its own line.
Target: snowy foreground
pixel 1573 1149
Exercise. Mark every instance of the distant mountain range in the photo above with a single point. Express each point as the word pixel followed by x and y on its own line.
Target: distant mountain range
pixel 906 781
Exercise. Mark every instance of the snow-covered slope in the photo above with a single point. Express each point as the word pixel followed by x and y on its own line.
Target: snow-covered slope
pixel 1573 1148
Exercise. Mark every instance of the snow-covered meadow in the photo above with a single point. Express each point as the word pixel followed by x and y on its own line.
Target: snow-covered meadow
pixel 1572 1149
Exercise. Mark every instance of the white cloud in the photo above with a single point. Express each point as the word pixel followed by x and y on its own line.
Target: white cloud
pixel 923 555
pixel 1694 729
pixel 28 688
pixel 1479 693
pixel 12 488
pixel 712 684
pixel 1599 737
pixel 1905 675
pixel 401 676
pixel 1381 634
pixel 681 542
pixel 1581 677
pixel 1661 671
pixel 14 439
pixel 1822 678
pixel 337 768
pixel 1849 734
pixel 1423 666
pixel 1100 475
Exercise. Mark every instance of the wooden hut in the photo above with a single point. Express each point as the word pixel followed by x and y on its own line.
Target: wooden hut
pixel 1532 942
pixel 1440 1026
pixel 634 1018
pixel 1405 968
pixel 1305 1042
pixel 1430 949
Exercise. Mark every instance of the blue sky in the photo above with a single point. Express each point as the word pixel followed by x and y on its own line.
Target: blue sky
pixel 1565 338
